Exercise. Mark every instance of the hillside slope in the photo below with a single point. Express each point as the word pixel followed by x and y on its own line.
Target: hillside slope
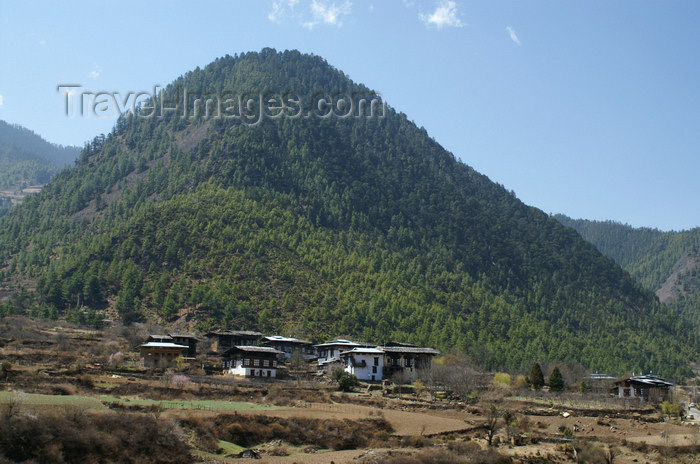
pixel 667 263
pixel 27 158
pixel 323 226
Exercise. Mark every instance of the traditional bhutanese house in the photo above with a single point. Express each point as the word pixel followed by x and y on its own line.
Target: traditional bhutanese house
pixel 251 361
pixel 160 354
pixel 406 358
pixel 189 340
pixel 365 363
pixel 225 339
pixel 289 345
pixel 329 352
pixel 645 387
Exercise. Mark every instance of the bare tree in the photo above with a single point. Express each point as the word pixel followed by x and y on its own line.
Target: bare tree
pixel 453 373
pixel 493 424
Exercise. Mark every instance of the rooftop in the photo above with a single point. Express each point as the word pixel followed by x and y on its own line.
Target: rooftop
pixel 409 350
pixel 243 333
pixel 163 345
pixel 363 350
pixel 254 349
pixel 279 338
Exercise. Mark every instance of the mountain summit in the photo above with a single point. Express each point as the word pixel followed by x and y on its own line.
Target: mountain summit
pixel 268 191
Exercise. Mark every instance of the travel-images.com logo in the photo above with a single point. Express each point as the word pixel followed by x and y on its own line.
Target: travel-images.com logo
pixel 248 108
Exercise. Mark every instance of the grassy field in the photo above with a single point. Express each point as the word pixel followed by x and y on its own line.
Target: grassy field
pixel 35 399
pixel 230 448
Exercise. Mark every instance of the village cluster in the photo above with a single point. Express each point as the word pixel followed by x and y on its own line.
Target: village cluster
pixel 251 354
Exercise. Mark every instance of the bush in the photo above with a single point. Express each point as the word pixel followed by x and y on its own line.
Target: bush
pixel 180 380
pixel 347 382
pixel 91 437
pixel 116 359
pixel 672 409
pixel 520 382
pixel 278 451
pixel 501 378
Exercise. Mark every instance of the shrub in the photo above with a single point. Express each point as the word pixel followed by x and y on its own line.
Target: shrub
pixel 520 382
pixel 91 437
pixel 63 389
pixel 347 382
pixel 180 380
pixel 672 409
pixel 116 359
pixel 501 378
pixel 5 368
pixel 278 451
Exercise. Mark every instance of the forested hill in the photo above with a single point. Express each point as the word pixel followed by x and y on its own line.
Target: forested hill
pixel 316 227
pixel 665 262
pixel 26 158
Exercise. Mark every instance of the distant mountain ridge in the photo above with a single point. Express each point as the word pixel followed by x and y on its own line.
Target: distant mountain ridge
pixel 317 226
pixel 26 158
pixel 666 262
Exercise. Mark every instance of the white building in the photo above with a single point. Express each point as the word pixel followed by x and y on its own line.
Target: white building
pixel 365 363
pixel 251 361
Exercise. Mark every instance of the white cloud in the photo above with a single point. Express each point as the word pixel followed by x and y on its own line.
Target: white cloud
pixel 513 36
pixel 2 100
pixel 96 71
pixel 445 14
pixel 310 14
pixel 281 9
pixel 327 12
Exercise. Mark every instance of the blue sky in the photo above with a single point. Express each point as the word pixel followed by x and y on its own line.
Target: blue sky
pixel 587 108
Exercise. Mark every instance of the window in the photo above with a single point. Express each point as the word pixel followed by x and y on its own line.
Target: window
pixel 374 369
pixel 269 373
pixel 274 363
pixel 376 361
pixel 266 362
pixel 256 362
pixel 246 362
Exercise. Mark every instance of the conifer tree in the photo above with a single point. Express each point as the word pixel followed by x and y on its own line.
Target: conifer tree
pixel 536 376
pixel 556 381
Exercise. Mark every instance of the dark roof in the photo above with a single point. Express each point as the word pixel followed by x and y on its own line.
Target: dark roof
pixel 239 333
pixel 409 350
pixel 252 349
pixel 190 336
pixel 401 344
pixel 647 380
